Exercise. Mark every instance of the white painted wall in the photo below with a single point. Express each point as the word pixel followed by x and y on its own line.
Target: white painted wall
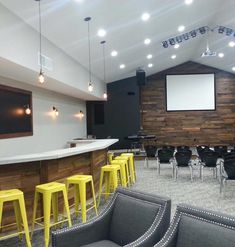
pixel 20 45
pixel 49 132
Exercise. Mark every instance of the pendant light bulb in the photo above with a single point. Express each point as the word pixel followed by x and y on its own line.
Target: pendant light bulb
pixel 41 78
pixel 105 96
pixel 90 87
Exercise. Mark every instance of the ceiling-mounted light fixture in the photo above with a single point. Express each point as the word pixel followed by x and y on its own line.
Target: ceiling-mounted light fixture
pixel 41 77
pixel 55 110
pixel 90 86
pixel 208 52
pixel 105 96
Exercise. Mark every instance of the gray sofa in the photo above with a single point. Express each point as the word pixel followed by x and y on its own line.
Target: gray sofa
pixel 196 227
pixel 131 218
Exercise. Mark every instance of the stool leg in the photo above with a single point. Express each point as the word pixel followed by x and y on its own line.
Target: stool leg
pixel 66 205
pixel 1 209
pixel 18 217
pixel 24 219
pixel 108 183
pixel 93 195
pixel 100 186
pixel 82 192
pixel 34 211
pixel 76 198
pixel 46 211
pixel 115 180
pixel 55 207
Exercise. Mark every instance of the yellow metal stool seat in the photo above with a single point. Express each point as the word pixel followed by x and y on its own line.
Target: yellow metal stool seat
pixel 124 171
pixel 132 162
pixel 111 174
pixel 49 192
pixel 80 182
pixel 130 165
pixel 110 157
pixel 17 197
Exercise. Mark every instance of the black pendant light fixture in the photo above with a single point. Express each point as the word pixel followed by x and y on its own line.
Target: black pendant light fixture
pixel 105 96
pixel 41 77
pixel 90 86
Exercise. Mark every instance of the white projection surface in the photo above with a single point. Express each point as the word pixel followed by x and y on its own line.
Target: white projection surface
pixel 190 92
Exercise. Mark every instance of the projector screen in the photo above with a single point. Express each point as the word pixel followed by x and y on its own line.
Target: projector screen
pixel 193 92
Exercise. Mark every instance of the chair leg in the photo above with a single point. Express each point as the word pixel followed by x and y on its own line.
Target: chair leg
pixel 176 173
pixel 66 206
pixel 76 199
pixel 93 195
pixel 18 217
pixel 24 220
pixel 1 208
pixel 46 209
pixel 159 167
pixel 36 195
pixel 201 172
pixel 100 187
pixel 82 191
pixel 191 173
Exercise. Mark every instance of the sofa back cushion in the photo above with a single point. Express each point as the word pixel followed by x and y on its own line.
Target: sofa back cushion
pixel 194 232
pixel 131 218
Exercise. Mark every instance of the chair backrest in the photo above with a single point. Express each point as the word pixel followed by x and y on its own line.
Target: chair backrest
pixel 134 213
pixel 169 147
pixel 198 227
pixel 150 150
pixel 229 167
pixel 165 155
pixel 183 158
pixel 221 150
pixel 210 158
pixel 202 151
pixel 182 148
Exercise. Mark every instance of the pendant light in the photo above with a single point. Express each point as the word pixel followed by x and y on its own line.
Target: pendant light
pixel 90 86
pixel 105 96
pixel 41 77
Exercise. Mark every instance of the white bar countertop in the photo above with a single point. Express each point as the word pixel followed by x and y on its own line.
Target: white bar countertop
pixel 82 146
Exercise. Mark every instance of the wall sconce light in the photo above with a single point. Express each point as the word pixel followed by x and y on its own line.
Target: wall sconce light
pixel 55 110
pixel 27 110
pixel 81 114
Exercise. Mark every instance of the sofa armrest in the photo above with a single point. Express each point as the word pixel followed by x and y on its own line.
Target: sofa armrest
pixel 92 231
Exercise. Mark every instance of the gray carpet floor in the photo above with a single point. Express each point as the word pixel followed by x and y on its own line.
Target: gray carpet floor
pixel 203 194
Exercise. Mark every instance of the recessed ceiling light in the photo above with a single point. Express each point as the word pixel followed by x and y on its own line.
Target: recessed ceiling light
pixel 221 54
pixel 145 16
pixel 101 32
pixel 114 53
pixel 188 2
pixel 181 28
pixel 149 56
pixel 231 43
pixel 233 68
pixel 176 46
pixel 173 56
pixel 147 41
pixel 122 66
pixel 150 65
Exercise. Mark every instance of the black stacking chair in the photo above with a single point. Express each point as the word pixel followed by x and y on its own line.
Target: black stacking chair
pixel 165 156
pixel 201 150
pixel 210 160
pixel 182 148
pixel 150 151
pixel 183 159
pixel 228 172
pixel 221 150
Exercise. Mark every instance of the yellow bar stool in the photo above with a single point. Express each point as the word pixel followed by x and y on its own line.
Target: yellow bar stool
pixel 111 174
pixel 132 161
pixel 80 182
pixel 17 197
pixel 49 192
pixel 131 169
pixel 110 157
pixel 124 171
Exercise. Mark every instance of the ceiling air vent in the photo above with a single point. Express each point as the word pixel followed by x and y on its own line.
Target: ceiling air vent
pixel 47 62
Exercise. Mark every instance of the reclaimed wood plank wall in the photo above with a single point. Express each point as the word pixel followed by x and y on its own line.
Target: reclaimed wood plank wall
pixel 190 127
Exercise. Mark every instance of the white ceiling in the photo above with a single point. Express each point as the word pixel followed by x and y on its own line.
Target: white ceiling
pixel 62 24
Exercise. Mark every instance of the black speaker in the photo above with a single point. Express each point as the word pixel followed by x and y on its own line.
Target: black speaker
pixel 140 77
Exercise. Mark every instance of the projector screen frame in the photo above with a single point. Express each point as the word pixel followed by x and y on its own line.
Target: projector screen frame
pixel 215 93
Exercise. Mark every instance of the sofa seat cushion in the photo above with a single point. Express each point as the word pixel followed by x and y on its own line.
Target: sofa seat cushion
pixel 103 243
pixel 198 233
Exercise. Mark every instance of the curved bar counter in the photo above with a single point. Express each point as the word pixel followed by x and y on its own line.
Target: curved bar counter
pixel 24 172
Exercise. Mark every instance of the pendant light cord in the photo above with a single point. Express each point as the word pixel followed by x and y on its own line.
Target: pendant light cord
pixel 89 50
pixel 40 34
pixel 104 63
